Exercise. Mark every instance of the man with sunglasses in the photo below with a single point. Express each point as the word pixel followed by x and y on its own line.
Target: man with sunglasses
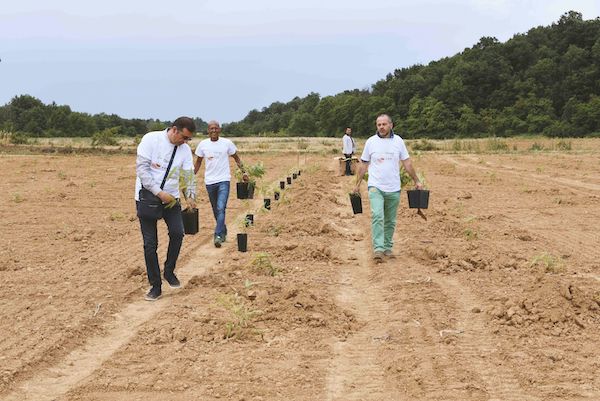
pixel 163 159
pixel 217 174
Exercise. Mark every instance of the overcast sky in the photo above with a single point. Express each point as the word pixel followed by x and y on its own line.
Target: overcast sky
pixel 218 59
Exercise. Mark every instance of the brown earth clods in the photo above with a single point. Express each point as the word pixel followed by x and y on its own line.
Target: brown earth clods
pixel 494 295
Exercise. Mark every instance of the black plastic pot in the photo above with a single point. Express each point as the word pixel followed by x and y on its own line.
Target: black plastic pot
pixel 242 242
pixel 242 189
pixel 281 184
pixel 267 203
pixel 190 220
pixel 245 190
pixel 276 195
pixel 299 171
pixel 356 202
pixel 249 220
pixel 294 176
pixel 418 198
pixel 289 180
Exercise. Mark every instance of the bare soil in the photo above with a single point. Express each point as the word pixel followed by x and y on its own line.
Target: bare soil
pixel 494 296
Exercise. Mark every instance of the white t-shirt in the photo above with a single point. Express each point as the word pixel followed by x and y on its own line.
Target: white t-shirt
pixel 216 155
pixel 156 146
pixel 384 156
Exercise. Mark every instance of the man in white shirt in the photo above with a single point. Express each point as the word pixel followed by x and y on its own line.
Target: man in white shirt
pixel 349 147
pixel 158 152
pixel 217 175
pixel 382 155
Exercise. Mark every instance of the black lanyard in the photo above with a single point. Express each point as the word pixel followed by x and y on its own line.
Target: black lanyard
pixel 168 167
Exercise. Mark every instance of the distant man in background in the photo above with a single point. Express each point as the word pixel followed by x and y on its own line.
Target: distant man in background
pixel 162 158
pixel 349 147
pixel 217 175
pixel 382 155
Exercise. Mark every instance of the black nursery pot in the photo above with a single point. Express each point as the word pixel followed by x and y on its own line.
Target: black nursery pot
pixel 244 190
pixel 276 195
pixel 289 180
pixel 281 184
pixel 242 242
pixel 294 176
pixel 299 171
pixel 267 203
pixel 356 202
pixel 418 198
pixel 190 221
pixel 249 220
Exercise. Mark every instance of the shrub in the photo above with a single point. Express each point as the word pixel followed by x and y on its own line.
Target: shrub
pixel 424 145
pixel 496 145
pixel 107 137
pixel 19 138
pixel 536 147
pixel 564 145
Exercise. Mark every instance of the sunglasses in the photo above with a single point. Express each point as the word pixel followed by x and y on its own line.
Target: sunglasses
pixel 185 137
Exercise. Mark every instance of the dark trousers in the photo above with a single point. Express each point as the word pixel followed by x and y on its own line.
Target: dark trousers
pixel 348 163
pixel 172 218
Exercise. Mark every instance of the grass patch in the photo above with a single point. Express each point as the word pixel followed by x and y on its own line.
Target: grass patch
pixel 536 147
pixel 496 145
pixel 302 144
pixel 424 145
pixel 564 145
pixel 241 315
pixel 549 262
pixel 470 234
pixel 18 198
pixel 117 216
pixel 263 264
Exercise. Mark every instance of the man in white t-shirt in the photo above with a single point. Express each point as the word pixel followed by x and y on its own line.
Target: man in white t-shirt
pixel 158 152
pixel 348 149
pixel 217 175
pixel 382 155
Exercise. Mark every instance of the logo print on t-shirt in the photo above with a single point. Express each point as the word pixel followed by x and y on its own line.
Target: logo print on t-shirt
pixel 213 155
pixel 381 158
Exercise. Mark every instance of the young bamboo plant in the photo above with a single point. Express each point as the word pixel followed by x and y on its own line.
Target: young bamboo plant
pixel 254 171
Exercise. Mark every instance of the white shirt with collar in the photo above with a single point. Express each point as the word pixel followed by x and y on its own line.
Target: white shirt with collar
pixel 156 147
pixel 349 146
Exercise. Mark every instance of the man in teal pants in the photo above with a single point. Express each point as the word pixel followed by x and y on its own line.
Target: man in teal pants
pixel 382 155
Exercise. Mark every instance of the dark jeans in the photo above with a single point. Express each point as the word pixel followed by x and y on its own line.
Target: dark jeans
pixel 218 193
pixel 172 218
pixel 348 163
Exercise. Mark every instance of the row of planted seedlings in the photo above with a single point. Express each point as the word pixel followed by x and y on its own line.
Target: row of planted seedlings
pixel 245 191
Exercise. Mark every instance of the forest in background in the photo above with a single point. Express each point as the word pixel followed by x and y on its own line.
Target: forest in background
pixel 546 81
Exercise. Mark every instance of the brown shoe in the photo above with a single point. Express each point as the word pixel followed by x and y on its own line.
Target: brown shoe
pixel 378 256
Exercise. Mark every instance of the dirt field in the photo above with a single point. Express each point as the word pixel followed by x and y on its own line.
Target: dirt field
pixel 495 296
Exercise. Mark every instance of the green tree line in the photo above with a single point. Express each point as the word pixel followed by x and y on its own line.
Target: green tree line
pixel 30 116
pixel 546 81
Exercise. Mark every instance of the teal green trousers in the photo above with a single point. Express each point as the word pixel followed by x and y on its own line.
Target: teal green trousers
pixel 384 207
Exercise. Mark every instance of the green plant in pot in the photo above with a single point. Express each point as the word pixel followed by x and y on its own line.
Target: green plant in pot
pixel 244 223
pixel 245 190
